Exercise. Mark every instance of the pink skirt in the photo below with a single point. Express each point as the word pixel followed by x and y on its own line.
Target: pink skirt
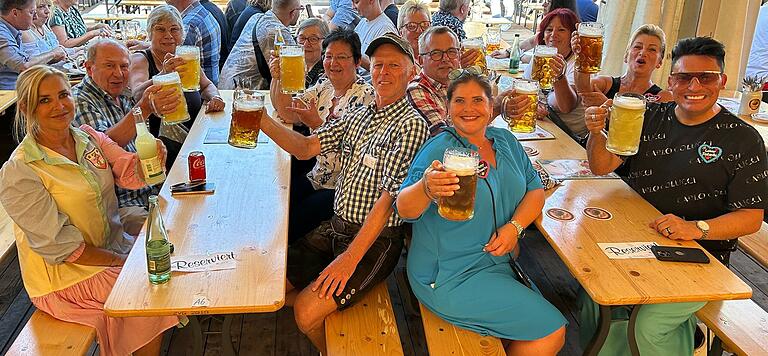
pixel 83 303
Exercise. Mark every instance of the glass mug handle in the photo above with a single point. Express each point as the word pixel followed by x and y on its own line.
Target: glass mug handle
pixel 154 108
pixel 504 115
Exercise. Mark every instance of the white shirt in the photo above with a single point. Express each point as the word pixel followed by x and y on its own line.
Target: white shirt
pixel 370 30
pixel 758 55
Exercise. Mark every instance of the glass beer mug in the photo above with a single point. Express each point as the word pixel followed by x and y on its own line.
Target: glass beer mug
pixel 190 70
pixel 461 205
pixel 292 69
pixel 246 118
pixel 542 66
pixel 526 122
pixel 591 43
pixel 476 43
pixel 171 80
pixel 627 116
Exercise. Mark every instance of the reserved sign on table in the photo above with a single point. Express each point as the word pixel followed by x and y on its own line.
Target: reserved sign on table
pixel 626 250
pixel 203 263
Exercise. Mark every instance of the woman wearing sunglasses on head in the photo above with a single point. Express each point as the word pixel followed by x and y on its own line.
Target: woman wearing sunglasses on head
pixel 645 53
pixel 460 270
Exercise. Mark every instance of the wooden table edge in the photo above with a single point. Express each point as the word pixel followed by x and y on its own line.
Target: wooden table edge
pixel 196 311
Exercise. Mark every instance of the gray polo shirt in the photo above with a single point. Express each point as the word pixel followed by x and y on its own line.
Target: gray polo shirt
pixel 12 58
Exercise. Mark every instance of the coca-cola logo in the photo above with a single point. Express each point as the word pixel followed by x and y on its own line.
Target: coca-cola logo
pixel 198 164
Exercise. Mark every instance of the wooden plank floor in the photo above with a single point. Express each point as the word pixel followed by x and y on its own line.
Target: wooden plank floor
pixel 275 334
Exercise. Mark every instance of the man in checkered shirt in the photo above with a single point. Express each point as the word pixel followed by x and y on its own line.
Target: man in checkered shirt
pixel 332 266
pixel 202 31
pixel 439 54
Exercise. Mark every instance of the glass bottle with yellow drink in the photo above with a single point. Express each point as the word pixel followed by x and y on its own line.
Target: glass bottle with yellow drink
pixel 146 148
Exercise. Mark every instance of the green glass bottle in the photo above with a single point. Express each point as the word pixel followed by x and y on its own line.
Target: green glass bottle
pixel 514 56
pixel 158 247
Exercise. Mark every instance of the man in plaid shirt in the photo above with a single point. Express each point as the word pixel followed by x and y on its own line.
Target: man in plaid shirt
pixel 334 265
pixel 202 31
pixel 439 53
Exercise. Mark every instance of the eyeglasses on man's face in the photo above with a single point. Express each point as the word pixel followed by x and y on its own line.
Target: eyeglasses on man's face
pixel 704 77
pixel 413 26
pixel 437 55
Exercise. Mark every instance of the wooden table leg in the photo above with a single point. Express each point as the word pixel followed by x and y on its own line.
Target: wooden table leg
pixel 594 346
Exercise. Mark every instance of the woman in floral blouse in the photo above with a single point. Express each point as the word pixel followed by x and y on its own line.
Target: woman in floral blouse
pixel 69 26
pixel 341 92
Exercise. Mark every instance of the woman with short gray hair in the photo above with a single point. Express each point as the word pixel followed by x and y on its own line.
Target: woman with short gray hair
pixel 311 35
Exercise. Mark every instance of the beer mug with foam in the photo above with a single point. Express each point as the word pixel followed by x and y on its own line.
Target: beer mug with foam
pixel 461 205
pixel 626 124
pixel 542 66
pixel 526 122
pixel 292 69
pixel 476 43
pixel 246 118
pixel 492 39
pixel 591 43
pixel 171 80
pixel 190 70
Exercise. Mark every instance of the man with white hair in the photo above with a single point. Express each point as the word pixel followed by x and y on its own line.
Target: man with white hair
pixel 452 14
pixel 250 62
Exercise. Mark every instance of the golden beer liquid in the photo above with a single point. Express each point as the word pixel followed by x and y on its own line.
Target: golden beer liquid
pixel 460 206
pixel 626 126
pixel 527 122
pixel 489 48
pixel 180 114
pixel 542 71
pixel 591 57
pixel 245 125
pixel 480 62
pixel 292 74
pixel 190 70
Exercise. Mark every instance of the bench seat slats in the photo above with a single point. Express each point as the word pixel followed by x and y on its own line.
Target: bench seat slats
pixel 443 338
pixel 45 336
pixel 741 324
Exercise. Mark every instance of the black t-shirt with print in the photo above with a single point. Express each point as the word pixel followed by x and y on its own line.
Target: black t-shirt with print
pixel 698 172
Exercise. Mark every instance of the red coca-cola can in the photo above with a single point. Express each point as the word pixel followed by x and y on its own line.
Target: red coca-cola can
pixel 196 165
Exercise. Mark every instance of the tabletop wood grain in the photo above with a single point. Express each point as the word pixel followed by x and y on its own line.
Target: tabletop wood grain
pixel 247 214
pixel 621 281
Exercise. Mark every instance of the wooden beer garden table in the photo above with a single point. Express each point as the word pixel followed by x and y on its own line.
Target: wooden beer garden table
pixel 7 98
pixel 247 214
pixel 621 282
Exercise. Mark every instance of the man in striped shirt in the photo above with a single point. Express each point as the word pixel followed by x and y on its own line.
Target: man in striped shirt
pixel 104 103
pixel 439 53
pixel 334 265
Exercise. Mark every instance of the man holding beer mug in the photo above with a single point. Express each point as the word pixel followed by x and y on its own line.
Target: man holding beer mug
pixel 699 165
pixel 463 243
pixel 102 104
pixel 439 52
pixel 334 265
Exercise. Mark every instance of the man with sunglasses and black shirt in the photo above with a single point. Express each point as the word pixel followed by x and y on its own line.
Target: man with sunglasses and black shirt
pixel 701 166
pixel 438 55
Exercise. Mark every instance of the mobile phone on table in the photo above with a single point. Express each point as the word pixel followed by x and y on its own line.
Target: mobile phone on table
pixel 679 254
pixel 193 187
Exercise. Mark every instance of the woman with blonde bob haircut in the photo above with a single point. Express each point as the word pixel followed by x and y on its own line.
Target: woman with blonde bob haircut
pixel 58 187
pixel 644 54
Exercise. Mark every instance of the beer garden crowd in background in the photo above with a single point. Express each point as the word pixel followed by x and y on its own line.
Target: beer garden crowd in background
pixel 390 112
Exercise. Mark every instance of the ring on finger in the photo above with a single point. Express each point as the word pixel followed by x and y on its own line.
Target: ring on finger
pixel 669 232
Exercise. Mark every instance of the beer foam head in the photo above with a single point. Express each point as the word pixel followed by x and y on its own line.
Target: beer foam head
pixel 249 105
pixel 629 102
pixel 472 42
pixel 544 51
pixel 188 52
pixel 460 162
pixel 591 29
pixel 170 78
pixel 291 51
pixel 526 87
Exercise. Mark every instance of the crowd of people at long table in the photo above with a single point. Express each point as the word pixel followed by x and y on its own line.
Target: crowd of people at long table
pixel 387 94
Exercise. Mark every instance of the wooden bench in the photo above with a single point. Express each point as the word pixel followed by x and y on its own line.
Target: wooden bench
pixel 756 245
pixel 740 324
pixel 366 328
pixel 444 338
pixel 45 336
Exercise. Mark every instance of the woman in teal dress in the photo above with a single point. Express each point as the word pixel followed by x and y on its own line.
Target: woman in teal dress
pixel 461 270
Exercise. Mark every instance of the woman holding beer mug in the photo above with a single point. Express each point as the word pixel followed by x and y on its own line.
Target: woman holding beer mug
pixel 645 53
pixel 165 33
pixel 460 270
pixel 58 187
pixel 313 184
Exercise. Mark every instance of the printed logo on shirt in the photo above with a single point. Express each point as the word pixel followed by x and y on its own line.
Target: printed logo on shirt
pixel 482 168
pixel 651 98
pixel 97 160
pixel 709 153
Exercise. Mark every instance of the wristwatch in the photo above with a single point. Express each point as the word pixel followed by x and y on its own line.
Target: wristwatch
pixel 704 227
pixel 520 229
